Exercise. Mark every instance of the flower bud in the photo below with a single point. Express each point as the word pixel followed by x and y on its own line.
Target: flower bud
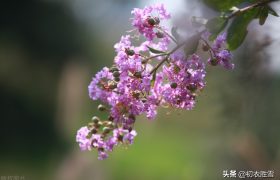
pixel 176 69
pixel 159 34
pixel 129 52
pixel 112 85
pixel 90 125
pixel 110 118
pixel 151 21
pixel 101 107
pixel 94 131
pixel 113 69
pixel 117 79
pixel 106 130
pixel 95 119
pixel 116 74
pixel 89 135
pixel 137 74
pixel 214 62
pixel 98 124
pixel 192 87
pixel 205 47
pixel 173 85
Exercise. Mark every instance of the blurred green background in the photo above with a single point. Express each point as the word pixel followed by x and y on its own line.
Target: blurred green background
pixel 49 50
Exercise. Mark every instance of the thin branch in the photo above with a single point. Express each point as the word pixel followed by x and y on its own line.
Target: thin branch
pixel 240 11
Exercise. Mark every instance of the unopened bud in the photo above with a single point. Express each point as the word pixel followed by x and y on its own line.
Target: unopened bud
pixel 95 119
pixel 205 47
pixel 94 131
pixel 214 62
pixel 106 130
pixel 192 87
pixel 129 52
pixel 116 74
pixel 159 34
pixel 89 135
pixel 113 69
pixel 101 107
pixel 173 85
pixel 117 79
pixel 137 74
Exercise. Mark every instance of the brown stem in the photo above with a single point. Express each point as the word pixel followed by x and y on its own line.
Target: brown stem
pixel 240 11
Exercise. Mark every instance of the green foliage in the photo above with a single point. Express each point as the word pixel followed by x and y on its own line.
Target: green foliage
pixel 272 12
pixel 192 44
pixel 175 33
pixel 263 14
pixel 155 51
pixel 222 5
pixel 216 25
pixel 238 29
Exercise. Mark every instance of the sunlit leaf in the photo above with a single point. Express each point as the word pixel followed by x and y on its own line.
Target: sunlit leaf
pixel 216 25
pixel 155 51
pixel 263 14
pixel 238 29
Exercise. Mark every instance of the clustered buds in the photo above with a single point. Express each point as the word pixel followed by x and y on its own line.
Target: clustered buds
pixel 134 86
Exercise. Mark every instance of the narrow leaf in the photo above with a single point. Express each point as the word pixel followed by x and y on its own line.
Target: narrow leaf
pixel 272 11
pixel 192 44
pixel 263 15
pixel 155 51
pixel 237 31
pixel 175 33
pixel 216 25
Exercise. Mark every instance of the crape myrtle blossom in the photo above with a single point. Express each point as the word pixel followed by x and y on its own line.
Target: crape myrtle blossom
pixel 221 56
pixel 143 78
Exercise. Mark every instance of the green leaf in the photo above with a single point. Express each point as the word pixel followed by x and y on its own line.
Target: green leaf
pixel 272 11
pixel 216 25
pixel 192 44
pixel 263 14
pixel 153 79
pixel 175 33
pixel 198 21
pixel 155 51
pixel 222 5
pixel 238 29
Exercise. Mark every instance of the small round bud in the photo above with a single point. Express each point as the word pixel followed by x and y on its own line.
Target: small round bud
pixel 214 62
pixel 89 135
pixel 192 87
pixel 106 130
pixel 90 125
pixel 129 129
pixel 137 74
pixel 129 52
pixel 95 119
pixel 116 74
pixel 151 21
pixel 136 95
pixel 110 118
pixel 144 100
pixel 101 107
pixel 98 124
pixel 120 138
pixel 112 85
pixel 176 69
pixel 117 79
pixel 157 20
pixel 159 34
pixel 173 85
pixel 94 131
pixel 205 47
pixel 113 69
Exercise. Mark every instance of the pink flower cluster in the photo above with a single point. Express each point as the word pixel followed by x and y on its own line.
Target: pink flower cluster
pixel 142 79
